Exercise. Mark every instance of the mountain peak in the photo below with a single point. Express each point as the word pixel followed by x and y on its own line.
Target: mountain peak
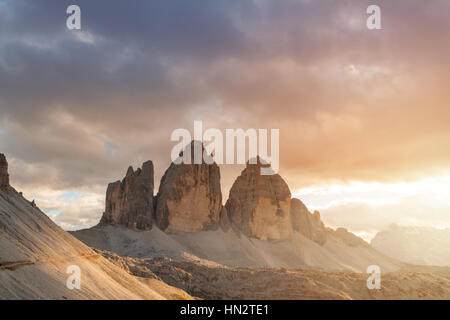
pixel 130 202
pixel 259 205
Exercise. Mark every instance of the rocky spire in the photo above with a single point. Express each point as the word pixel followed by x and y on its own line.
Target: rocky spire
pixel 130 202
pixel 189 197
pixel 259 205
pixel 4 176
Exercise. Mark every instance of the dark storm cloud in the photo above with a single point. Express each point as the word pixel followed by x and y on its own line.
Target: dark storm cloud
pixel 133 46
pixel 66 95
pixel 78 106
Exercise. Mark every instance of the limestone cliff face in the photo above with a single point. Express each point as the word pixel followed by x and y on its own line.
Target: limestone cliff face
pixel 130 202
pixel 189 197
pixel 259 205
pixel 4 176
pixel 309 225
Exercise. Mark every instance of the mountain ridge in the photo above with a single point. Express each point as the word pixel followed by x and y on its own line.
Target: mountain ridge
pixel 416 245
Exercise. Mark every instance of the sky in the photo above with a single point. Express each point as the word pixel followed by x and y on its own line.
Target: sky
pixel 363 114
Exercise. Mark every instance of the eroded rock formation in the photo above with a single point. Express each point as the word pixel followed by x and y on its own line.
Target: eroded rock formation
pixel 190 200
pixel 4 176
pixel 259 205
pixel 130 202
pixel 189 197
pixel 308 224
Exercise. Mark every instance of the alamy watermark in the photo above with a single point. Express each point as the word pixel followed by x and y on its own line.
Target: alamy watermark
pixel 374 281
pixel 73 21
pixel 374 20
pixel 74 280
pixel 231 150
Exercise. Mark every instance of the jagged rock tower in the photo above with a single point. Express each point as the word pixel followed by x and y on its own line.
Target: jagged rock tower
pixel 130 202
pixel 4 176
pixel 189 197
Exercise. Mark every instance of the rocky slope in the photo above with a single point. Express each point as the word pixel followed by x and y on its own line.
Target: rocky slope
pixel 237 250
pixel 35 254
pixel 209 280
pixel 418 245
pixel 130 202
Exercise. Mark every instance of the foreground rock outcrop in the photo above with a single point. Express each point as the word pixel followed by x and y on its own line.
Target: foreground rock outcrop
pixel 189 197
pixel 309 225
pixel 130 202
pixel 259 205
pixel 4 176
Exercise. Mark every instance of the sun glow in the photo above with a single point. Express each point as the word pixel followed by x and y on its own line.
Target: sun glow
pixel 431 192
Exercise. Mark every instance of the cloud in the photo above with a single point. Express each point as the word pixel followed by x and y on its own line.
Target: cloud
pixel 366 219
pixel 366 208
pixel 77 107
pixel 72 210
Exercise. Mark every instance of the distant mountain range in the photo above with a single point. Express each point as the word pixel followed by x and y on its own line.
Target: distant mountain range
pixel 416 245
